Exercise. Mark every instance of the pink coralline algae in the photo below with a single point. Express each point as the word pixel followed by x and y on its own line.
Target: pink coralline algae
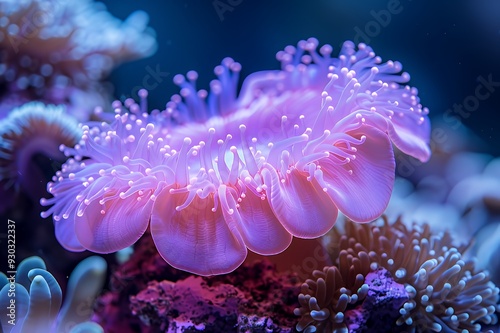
pixel 218 173
pixel 148 295
pixel 198 304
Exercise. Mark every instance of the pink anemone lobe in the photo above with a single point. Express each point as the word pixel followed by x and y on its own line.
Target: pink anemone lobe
pixel 219 173
pixel 207 238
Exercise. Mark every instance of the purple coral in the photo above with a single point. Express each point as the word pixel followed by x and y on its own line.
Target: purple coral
pixel 224 179
pixel 381 305
pixel 39 310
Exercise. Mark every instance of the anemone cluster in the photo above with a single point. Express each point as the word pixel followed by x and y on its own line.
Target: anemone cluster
pixel 445 293
pixel 463 190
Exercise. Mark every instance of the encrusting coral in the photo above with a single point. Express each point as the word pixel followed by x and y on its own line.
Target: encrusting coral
pixel 445 293
pixel 39 310
pixel 148 295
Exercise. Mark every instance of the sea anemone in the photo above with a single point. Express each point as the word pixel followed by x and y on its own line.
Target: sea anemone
pixel 446 293
pixel 214 175
pixel 39 310
pixel 58 49
pixel 34 128
pixel 324 300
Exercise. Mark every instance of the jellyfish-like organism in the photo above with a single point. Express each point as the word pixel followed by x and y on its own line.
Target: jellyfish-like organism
pixel 218 173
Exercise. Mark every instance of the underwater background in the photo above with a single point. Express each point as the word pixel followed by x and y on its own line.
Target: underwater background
pixel 448 48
